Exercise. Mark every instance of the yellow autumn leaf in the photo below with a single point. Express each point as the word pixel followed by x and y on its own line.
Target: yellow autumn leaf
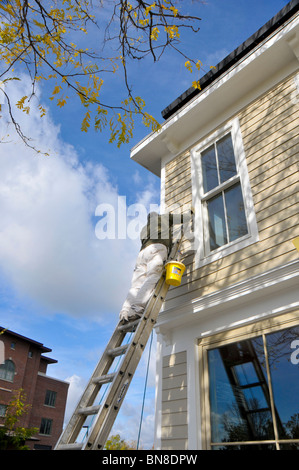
pixel 56 90
pixel 155 33
pixel 196 84
pixel 85 123
pixel 188 65
pixel 198 64
pixel 61 102
pixel 20 103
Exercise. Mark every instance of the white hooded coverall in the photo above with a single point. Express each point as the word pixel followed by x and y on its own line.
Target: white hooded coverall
pixel 156 239
pixel 147 272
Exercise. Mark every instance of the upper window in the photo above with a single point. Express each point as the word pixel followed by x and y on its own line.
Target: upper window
pixel 50 398
pixel 225 214
pixel 223 194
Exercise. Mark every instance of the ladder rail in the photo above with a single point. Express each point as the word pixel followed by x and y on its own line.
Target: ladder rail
pixel 101 428
pixel 120 380
pixel 92 389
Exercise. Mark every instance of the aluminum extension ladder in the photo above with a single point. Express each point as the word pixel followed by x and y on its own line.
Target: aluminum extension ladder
pixel 106 413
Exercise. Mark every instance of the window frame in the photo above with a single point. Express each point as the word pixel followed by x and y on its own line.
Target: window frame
pixel 50 398
pixel 262 327
pixel 46 426
pixel 3 409
pixel 8 369
pixel 204 255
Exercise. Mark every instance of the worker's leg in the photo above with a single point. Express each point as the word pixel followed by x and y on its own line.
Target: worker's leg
pixel 138 279
pixel 154 255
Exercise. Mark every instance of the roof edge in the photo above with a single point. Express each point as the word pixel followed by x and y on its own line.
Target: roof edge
pixel 272 25
pixel 32 341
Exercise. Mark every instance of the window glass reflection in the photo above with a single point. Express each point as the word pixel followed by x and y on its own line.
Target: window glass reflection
pixel 236 219
pixel 241 407
pixel 285 380
pixel 217 226
pixel 209 169
pixel 246 447
pixel 240 404
pixel 226 158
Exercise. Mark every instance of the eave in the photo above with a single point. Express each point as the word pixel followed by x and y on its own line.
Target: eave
pixel 261 62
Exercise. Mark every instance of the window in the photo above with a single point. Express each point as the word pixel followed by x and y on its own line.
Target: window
pixel 50 398
pixel 222 196
pixel 252 393
pixel 3 409
pixel 7 370
pixel 226 212
pixel 46 426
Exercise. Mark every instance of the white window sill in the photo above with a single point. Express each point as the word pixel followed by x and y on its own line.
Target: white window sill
pixel 225 250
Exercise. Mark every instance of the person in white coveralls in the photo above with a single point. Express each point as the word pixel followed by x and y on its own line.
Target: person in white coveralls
pixel 156 242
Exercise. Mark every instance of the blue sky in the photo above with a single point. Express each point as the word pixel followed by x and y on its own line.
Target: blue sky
pixel 60 284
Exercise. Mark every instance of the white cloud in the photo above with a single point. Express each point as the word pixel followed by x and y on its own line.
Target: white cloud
pixel 215 57
pixel 49 253
pixel 48 248
pixel 128 422
pixel 75 390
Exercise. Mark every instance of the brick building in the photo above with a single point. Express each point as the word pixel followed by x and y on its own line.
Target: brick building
pixel 23 366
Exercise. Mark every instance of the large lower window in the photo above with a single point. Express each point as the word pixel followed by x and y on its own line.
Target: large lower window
pixel 253 389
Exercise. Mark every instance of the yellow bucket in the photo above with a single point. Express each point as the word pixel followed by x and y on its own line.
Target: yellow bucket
pixel 296 243
pixel 174 272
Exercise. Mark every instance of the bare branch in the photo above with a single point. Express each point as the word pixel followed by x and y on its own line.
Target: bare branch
pixel 37 37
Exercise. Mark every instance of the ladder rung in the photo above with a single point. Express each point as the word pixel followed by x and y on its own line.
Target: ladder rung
pixel 258 410
pixel 106 414
pixel 71 446
pixel 89 410
pixel 118 351
pixel 252 385
pixel 104 379
pixel 128 326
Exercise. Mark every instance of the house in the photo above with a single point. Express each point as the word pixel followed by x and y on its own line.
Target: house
pixel 23 366
pixel 228 336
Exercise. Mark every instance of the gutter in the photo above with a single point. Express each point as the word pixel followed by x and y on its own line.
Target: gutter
pixel 272 25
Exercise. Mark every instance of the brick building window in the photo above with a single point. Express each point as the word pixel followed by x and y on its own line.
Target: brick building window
pixel 46 426
pixel 7 370
pixel 3 409
pixel 50 398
